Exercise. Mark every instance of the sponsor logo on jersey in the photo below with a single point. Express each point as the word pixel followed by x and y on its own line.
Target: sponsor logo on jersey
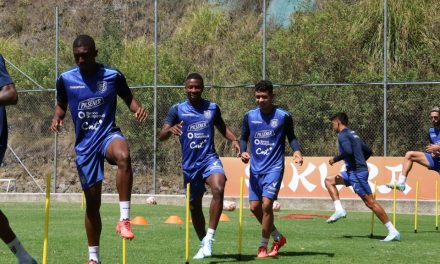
pixel 91 126
pixel 94 115
pixel 274 123
pixel 195 145
pixel 102 86
pixel 90 103
pixel 207 114
pixel 74 87
pixel 198 126
pixel 264 134
pixel 265 152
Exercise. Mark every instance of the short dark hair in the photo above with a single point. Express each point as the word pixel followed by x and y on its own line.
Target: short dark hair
pixel 264 86
pixel 84 41
pixel 194 76
pixel 341 116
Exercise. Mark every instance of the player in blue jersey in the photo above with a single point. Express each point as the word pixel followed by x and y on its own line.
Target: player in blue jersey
pixel 193 121
pixel 355 153
pixel 266 128
pixel 90 90
pixel 430 158
pixel 8 96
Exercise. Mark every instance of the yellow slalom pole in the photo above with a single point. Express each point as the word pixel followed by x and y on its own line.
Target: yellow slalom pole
pixel 436 205
pixel 240 219
pixel 46 219
pixel 394 204
pixel 188 186
pixel 372 213
pixel 124 251
pixel 82 201
pixel 416 207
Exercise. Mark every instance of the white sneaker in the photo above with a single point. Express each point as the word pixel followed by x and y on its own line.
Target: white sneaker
pixel 392 237
pixel 336 216
pixel 205 249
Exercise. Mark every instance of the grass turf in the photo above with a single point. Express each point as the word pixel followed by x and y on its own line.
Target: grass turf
pixel 308 241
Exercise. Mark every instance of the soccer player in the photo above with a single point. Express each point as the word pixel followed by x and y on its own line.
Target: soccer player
pixel 266 128
pixel 430 158
pixel 90 90
pixel 8 96
pixel 193 121
pixel 354 152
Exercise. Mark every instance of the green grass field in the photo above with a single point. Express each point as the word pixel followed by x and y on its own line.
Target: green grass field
pixel 309 241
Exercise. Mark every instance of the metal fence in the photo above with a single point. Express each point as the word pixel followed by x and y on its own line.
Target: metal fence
pixel 156 165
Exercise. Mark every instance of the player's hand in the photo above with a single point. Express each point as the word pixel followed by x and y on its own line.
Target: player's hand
pixel 141 115
pixel 331 161
pixel 177 129
pixel 245 157
pixel 298 158
pixel 432 148
pixel 56 125
pixel 236 147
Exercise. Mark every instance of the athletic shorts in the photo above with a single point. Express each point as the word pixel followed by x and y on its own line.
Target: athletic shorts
pixel 90 166
pixel 434 162
pixel 198 177
pixel 357 180
pixel 265 185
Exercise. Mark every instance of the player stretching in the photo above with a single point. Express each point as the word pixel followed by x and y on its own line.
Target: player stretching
pixel 267 127
pixel 430 158
pixel 8 96
pixel 355 153
pixel 91 90
pixel 193 121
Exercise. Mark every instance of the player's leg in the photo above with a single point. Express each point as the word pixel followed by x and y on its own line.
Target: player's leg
pixel 369 201
pixel 217 183
pixel 197 217
pixel 330 184
pixel 92 219
pixel 11 240
pixel 117 152
pixel 422 158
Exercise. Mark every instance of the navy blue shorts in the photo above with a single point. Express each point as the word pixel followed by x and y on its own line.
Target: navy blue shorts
pixel 197 177
pixel 357 180
pixel 90 166
pixel 434 162
pixel 265 185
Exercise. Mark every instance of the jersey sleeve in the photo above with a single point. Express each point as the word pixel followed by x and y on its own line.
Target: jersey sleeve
pixel 172 117
pixel 5 79
pixel 366 150
pixel 218 120
pixel 121 86
pixel 290 133
pixel 245 133
pixel 61 91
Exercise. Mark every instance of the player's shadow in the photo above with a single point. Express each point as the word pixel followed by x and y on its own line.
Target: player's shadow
pixel 367 236
pixel 245 258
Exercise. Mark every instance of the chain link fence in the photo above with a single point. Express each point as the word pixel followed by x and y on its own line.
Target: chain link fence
pixel 156 165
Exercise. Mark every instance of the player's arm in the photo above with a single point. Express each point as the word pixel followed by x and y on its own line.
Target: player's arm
pixel 245 133
pixel 346 149
pixel 172 125
pixel 133 104
pixel 226 131
pixel 293 141
pixel 60 108
pixel 366 150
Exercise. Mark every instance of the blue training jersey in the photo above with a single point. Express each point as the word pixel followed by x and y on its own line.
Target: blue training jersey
pixel 5 79
pixel 434 135
pixel 92 103
pixel 197 140
pixel 267 135
pixel 353 151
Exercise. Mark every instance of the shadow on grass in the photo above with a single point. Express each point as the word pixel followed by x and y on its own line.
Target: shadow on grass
pixel 367 236
pixel 244 258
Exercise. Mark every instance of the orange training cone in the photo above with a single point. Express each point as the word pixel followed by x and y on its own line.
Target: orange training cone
pixel 224 218
pixel 139 220
pixel 174 219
